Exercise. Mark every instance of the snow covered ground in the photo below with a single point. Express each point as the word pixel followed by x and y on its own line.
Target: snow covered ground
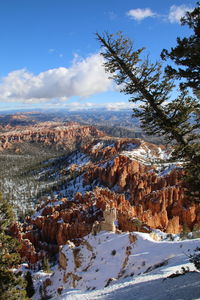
pixel 145 287
pixel 126 266
pixel 78 158
pixel 145 155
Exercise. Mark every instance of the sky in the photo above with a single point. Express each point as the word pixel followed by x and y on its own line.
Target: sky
pixel 50 57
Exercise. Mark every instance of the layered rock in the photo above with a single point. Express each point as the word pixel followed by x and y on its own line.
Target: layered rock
pixel 61 134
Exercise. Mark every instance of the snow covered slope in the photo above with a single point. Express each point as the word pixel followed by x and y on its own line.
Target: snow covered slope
pixel 145 287
pixel 123 266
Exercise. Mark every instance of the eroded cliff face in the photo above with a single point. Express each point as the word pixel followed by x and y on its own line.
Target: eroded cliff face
pixel 27 250
pixel 72 220
pixel 108 147
pixel 49 133
pixel 56 222
pixel 144 198
pixel 158 201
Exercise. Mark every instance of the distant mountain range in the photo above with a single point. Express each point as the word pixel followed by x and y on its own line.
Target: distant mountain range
pixel 113 123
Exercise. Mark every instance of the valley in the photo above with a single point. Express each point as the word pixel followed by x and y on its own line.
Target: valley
pixel 62 176
pixel 25 175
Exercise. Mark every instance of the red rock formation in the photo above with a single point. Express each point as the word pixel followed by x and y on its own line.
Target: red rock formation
pixel 60 134
pixel 153 201
pixel 165 209
pixel 57 224
pixel 108 147
pixel 27 249
pixel 117 171
pixel 159 201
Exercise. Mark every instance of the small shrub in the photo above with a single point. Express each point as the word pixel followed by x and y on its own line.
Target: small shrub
pixel 179 273
pixel 59 290
pixel 45 265
pixel 109 282
pixel 29 285
pixel 195 258
pixel 113 252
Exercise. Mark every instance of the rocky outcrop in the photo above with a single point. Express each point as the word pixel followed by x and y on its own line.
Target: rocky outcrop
pixel 26 249
pixel 49 133
pixel 57 224
pixel 61 221
pixel 72 220
pixel 109 147
pixel 108 224
pixel 62 258
pixel 115 172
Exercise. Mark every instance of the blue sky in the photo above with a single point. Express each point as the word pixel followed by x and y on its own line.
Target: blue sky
pixel 49 56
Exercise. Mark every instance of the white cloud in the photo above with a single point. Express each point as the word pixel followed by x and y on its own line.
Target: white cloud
pixel 85 105
pixel 83 79
pixel 139 14
pixel 177 12
pixel 119 105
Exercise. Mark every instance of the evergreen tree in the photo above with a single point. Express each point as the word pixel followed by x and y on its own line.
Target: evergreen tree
pixel 43 293
pixel 11 284
pixel 186 54
pixel 45 265
pixel 175 119
pixel 29 285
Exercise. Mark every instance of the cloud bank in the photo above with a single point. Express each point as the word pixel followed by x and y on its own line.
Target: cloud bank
pixel 85 105
pixel 177 12
pixel 139 14
pixel 174 15
pixel 83 79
